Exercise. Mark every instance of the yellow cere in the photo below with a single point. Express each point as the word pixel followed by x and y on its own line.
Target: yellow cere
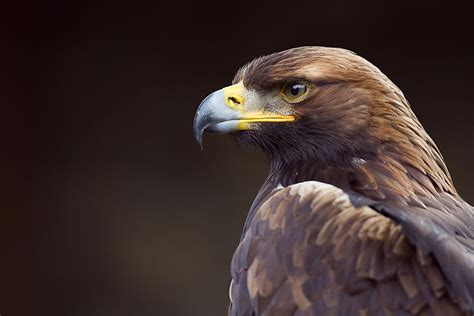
pixel 234 96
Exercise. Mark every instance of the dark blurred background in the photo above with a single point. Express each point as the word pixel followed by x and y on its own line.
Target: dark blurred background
pixel 109 205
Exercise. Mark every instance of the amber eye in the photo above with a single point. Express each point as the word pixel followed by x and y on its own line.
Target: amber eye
pixel 294 92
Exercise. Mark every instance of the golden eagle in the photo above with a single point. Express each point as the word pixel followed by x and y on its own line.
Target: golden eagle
pixel 358 215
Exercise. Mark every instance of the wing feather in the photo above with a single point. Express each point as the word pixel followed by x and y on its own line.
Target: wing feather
pixel 309 251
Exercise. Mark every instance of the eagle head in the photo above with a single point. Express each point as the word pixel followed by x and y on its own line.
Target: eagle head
pixel 312 103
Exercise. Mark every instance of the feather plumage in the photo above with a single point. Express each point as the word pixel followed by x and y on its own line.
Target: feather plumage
pixel 359 215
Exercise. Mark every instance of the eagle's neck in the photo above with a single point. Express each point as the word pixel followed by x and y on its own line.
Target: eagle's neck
pixel 396 173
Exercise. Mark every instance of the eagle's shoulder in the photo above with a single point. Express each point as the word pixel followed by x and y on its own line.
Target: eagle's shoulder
pixel 308 248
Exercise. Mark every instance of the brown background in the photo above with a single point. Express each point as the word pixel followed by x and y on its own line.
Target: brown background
pixel 110 207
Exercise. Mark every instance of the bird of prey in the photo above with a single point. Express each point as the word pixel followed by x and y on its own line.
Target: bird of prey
pixel 358 215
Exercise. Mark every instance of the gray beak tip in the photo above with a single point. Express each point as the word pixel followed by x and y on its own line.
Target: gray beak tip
pixel 199 141
pixel 211 111
pixel 198 131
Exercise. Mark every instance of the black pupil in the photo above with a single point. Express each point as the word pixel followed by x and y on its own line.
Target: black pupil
pixel 295 89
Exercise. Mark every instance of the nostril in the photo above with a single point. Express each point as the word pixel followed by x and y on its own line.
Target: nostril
pixel 233 100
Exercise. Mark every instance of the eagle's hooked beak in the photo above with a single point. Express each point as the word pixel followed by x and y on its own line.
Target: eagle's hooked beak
pixel 224 111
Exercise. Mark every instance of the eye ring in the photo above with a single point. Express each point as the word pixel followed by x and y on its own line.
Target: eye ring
pixel 294 92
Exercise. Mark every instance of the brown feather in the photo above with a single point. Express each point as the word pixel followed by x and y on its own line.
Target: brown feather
pixel 388 283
